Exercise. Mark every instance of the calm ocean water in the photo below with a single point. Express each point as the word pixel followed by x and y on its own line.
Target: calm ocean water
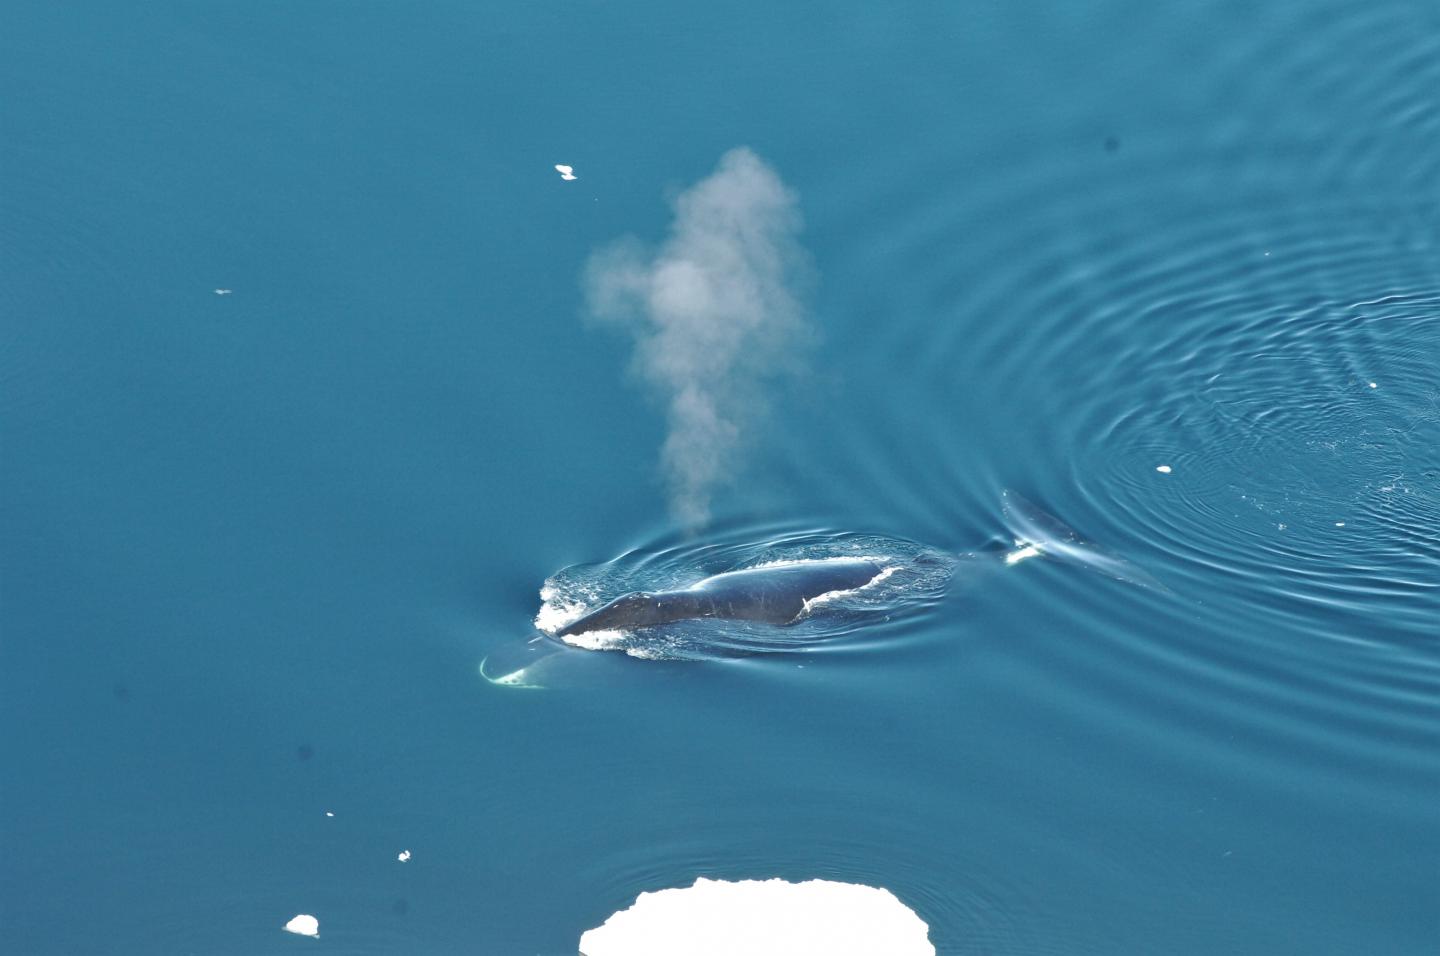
pixel 255 545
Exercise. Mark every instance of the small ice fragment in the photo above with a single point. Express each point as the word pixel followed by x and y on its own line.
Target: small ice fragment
pixel 1373 385
pixel 1339 524
pixel 303 925
pixel 404 856
pixel 329 813
pixel 1163 469
pixel 228 291
pixel 566 172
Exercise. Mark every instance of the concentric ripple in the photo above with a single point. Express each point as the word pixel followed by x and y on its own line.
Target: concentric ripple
pixel 1213 349
pixel 1302 442
pixel 1289 395
pixel 1247 385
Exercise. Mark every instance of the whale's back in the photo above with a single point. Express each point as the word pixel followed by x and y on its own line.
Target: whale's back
pixel 778 593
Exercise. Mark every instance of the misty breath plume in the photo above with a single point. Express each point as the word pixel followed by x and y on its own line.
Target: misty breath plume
pixel 715 315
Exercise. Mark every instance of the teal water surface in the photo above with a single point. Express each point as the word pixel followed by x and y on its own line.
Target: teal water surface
pixel 255 543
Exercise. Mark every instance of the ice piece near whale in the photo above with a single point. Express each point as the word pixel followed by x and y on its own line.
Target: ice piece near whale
pixel 762 918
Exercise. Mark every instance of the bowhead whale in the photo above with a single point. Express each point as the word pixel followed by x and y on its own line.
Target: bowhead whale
pixel 782 592
pixel 773 594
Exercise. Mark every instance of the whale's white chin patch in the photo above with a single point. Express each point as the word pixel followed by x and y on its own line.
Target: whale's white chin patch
pixel 596 640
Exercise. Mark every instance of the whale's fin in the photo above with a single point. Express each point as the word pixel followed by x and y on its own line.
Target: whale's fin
pixel 1038 533
pixel 517 678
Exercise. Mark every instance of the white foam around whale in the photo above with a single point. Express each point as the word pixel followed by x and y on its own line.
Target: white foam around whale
pixel 557 610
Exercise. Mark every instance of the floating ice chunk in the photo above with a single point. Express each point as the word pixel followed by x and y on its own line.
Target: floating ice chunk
pixel 1373 385
pixel 229 291
pixel 303 925
pixel 1163 469
pixel 762 918
pixel 404 856
pixel 566 172
pixel 1339 524
pixel 329 813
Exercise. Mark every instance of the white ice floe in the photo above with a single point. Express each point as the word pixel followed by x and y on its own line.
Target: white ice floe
pixel 762 918
pixel 566 172
pixel 404 856
pixel 230 291
pixel 304 925
pixel 1163 469
pixel 329 813
pixel 1373 385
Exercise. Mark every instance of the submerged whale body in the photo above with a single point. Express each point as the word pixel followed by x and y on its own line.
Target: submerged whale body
pixel 772 594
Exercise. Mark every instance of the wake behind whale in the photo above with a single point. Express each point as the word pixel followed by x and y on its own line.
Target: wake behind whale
pixel 796 592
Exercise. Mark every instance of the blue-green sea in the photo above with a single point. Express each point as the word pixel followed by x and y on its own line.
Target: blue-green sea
pixel 315 372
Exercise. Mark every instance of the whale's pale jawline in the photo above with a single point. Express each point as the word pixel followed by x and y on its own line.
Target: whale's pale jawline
pixel 773 594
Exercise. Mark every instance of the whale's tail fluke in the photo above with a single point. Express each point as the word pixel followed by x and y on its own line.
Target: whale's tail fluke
pixel 1038 533
pixel 518 678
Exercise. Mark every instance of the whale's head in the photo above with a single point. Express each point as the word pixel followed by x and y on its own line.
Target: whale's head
pixel 636 609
